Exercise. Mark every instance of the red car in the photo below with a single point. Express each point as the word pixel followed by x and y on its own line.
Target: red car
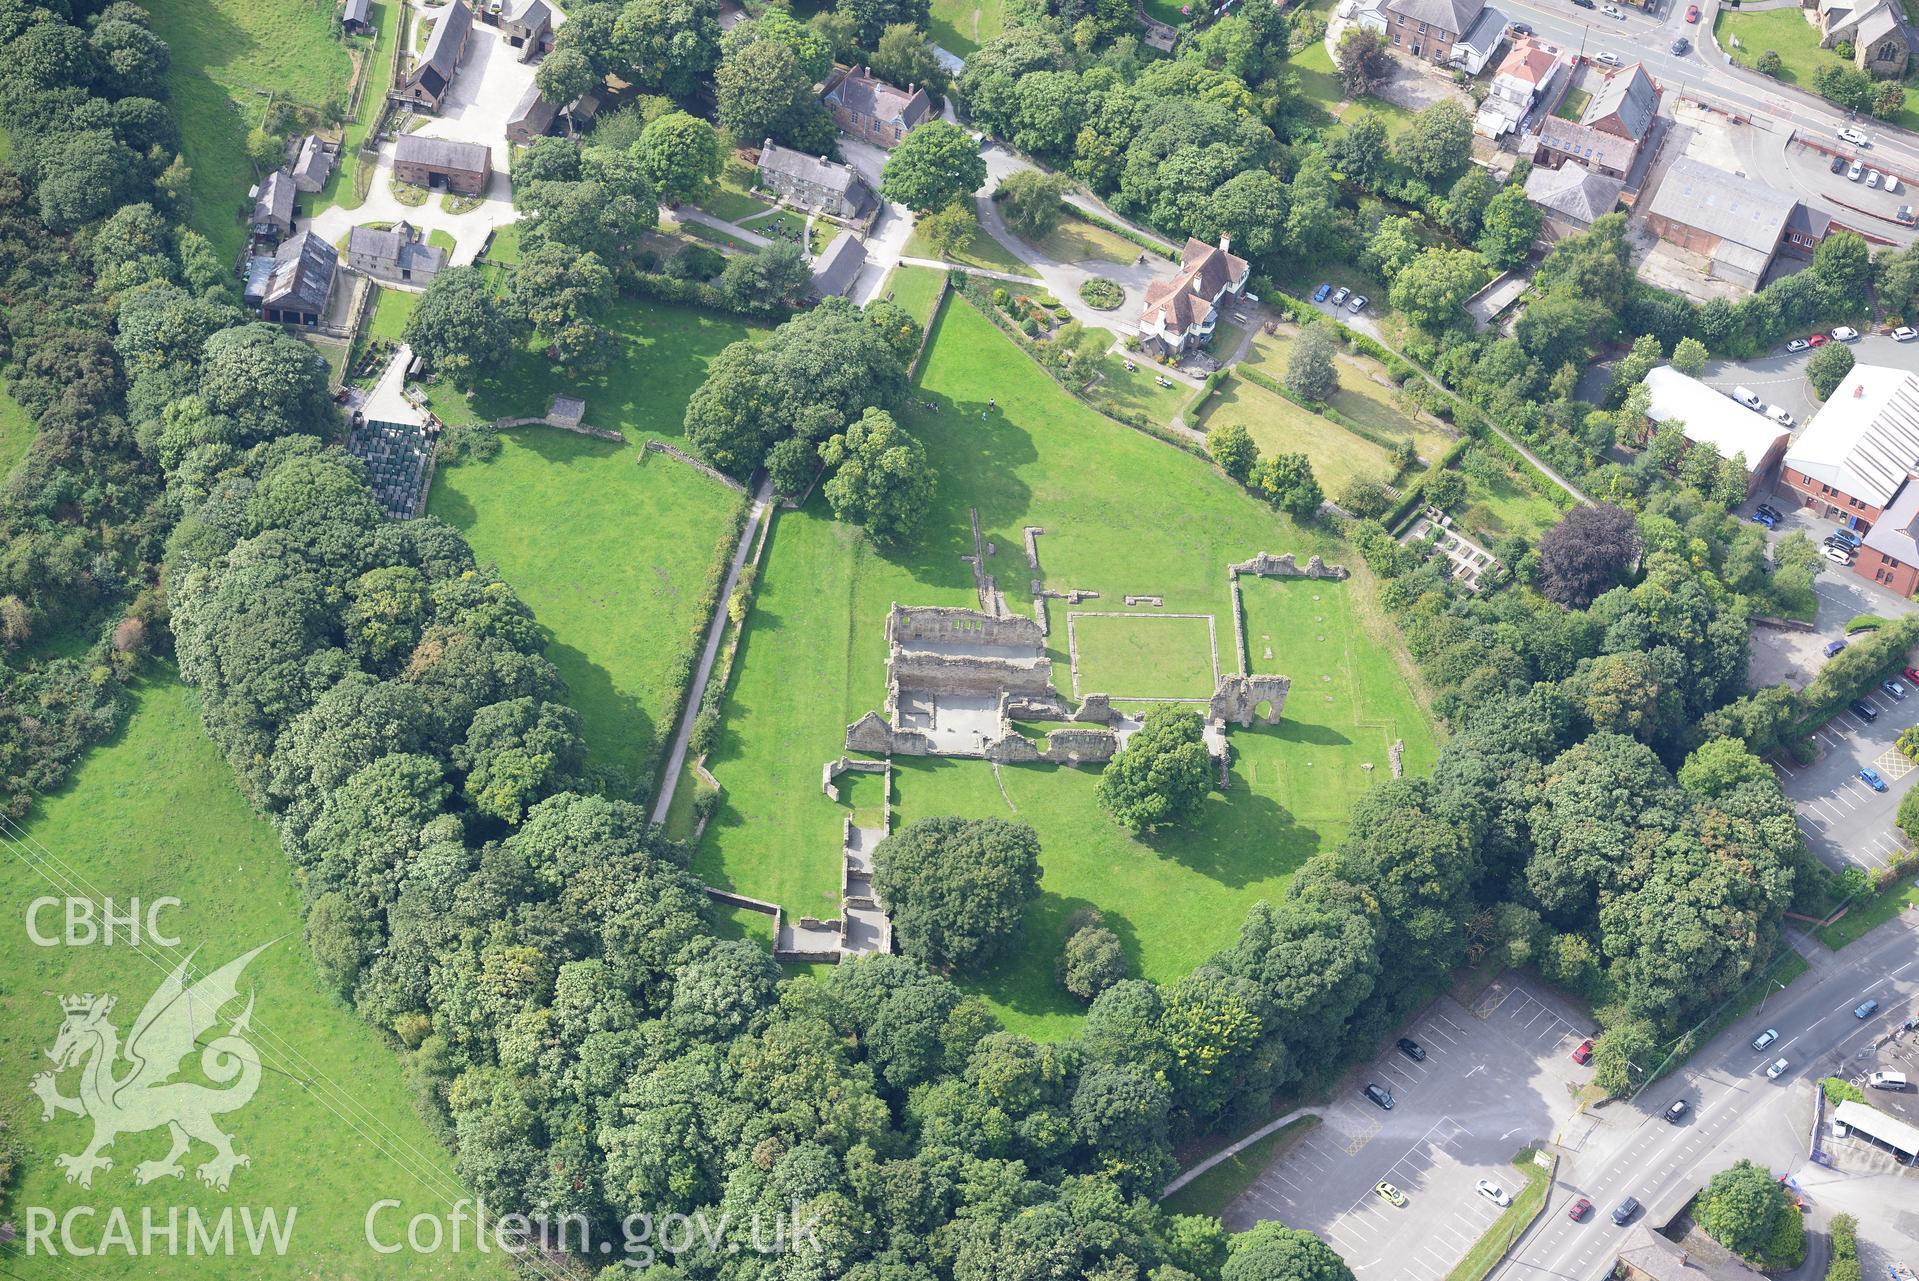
pixel 1820 340
pixel 1579 1209
pixel 1584 1052
pixel 1912 674
pixel 1692 13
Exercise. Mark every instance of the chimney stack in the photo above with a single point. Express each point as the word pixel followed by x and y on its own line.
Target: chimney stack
pixel 1225 243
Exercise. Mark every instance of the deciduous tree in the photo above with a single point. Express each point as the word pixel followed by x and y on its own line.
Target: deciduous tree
pixel 957 888
pixel 933 166
pixel 1162 774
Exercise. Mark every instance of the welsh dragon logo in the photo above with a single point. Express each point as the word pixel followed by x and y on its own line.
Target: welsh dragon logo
pixel 131 1090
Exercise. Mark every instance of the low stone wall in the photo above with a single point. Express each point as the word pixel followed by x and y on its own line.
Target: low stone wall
pixel 831 771
pixel 1063 747
pixel 661 447
pixel 578 429
pixel 1267 565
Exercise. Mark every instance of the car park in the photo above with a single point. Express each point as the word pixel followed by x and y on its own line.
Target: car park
pixel 1610 59
pixel 1579 1209
pixel 1793 344
pixel 1494 1193
pixel 1867 1009
pixel 1855 171
pixel 1864 711
pixel 1769 510
pixel 1380 1095
pixel 1893 689
pixel 1838 555
pixel 1839 164
pixel 1319 294
pixel 1681 46
pixel 1411 1049
pixel 1872 179
pixel 1857 137
pixel 1339 295
pixel 1911 674
pixel 1780 414
pixel 1623 1212
pixel 1833 647
pixel 1870 777
pixel 1905 333
pixel 1677 1112
pixel 1845 333
pixel 1357 305
pixel 1777 1069
pixel 1583 1051
pixel 1765 1038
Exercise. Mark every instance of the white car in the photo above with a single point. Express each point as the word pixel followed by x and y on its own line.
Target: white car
pixel 1777 1070
pixel 1905 333
pixel 1611 11
pixel 1610 59
pixel 1857 137
pixel 1779 414
pixel 1765 1038
pixel 1872 179
pixel 1493 1192
pixel 1892 184
pixel 1837 555
pixel 1854 170
pixel 1845 333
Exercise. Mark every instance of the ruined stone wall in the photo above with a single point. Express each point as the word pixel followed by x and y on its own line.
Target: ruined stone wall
pixel 923 623
pixel 873 735
pixel 1267 565
pixel 965 674
pixel 1080 746
pixel 1237 697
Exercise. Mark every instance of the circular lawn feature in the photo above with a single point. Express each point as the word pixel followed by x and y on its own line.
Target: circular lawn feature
pixel 1104 294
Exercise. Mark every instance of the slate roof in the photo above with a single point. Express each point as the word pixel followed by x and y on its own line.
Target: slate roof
pixel 1581 143
pixel 441 153
pixel 1488 29
pixel 835 270
pixel 399 245
pixel 1574 190
pixel 302 274
pixel 815 170
pixel 1210 268
pixel 441 56
pixel 1747 217
pixel 275 201
pixel 535 15
pixel 1653 1256
pixel 1865 439
pixel 314 162
pixel 858 89
pixel 1455 16
pixel 356 11
pixel 1628 96
pixel 534 114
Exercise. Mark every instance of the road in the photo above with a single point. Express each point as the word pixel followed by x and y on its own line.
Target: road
pixel 1736 1111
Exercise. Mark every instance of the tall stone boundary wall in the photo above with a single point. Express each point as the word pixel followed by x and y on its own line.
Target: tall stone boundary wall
pixel 1237 699
pixel 967 674
pixel 1063 747
pixel 922 623
pixel 1267 565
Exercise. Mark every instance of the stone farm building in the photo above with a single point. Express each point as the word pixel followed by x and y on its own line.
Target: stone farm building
pixel 526 25
pixel 1854 463
pixel 815 183
pixel 440 164
pixel 835 270
pixel 1571 197
pixel 1426 30
pixel 425 83
pixel 1738 224
pixel 1180 312
pixel 295 288
pixel 312 164
pixel 273 206
pixel 394 253
pixel 870 109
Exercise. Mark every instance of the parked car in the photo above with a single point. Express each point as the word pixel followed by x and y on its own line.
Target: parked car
pixel 1770 510
pixel 1585 4
pixel 1765 518
pixel 1611 11
pixel 1777 1070
pixel 1911 674
pixel 1892 184
pixel 1388 1193
pixel 1357 305
pixel 1519 29
pixel 1319 294
pixel 1872 179
pixel 1493 1192
pixel 1905 214
pixel 1583 1051
pixel 1867 1008
pixel 1792 344
pixel 1845 333
pixel 1780 414
pixel 1380 1094
pixel 1893 688
pixel 1905 333
pixel 1411 1049
pixel 1839 555
pixel 1692 13
pixel 1818 340
pixel 1677 1111
pixel 1340 295
pixel 1833 647
pixel 1747 397
pixel 1623 1212
pixel 1870 777
pixel 1765 1038
pixel 1610 59
pixel 1864 711
pixel 1839 164
pixel 1855 171
pixel 1846 536
pixel 1681 46
pixel 1857 137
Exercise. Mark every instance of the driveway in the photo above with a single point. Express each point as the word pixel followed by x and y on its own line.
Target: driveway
pixel 1495 1079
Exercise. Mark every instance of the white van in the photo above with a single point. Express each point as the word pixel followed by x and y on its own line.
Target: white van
pixel 1748 397
pixel 1887 1080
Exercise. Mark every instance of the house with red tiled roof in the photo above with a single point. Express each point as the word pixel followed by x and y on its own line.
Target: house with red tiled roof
pixel 1180 312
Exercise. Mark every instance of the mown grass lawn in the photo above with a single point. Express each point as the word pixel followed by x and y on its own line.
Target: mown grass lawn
pixel 980 251
pixel 1504 506
pixel 1077 240
pixel 962 26
pixel 16 431
pixel 1123 513
pixel 155 813
pixel 391 311
pixel 228 56
pixel 917 290
pixel 733 200
pixel 1133 391
pixel 1277 426
pixel 1147 655
pixel 1366 394
pixel 1867 914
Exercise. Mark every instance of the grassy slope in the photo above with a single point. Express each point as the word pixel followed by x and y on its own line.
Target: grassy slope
pixel 1365 394
pixel 980 251
pixel 16 431
pixel 155 813
pixel 1222 1185
pixel 609 546
pixel 224 53
pixel 814 655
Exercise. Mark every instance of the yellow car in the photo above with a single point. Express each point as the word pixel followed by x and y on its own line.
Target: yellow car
pixel 1390 1193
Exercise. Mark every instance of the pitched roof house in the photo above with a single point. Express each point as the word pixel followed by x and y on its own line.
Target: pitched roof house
pixel 814 182
pixel 296 289
pixel 398 252
pixel 313 165
pixel 1427 29
pixel 1180 312
pixel 461 167
pixel 835 270
pixel 426 82
pixel 356 17
pixel 273 205
pixel 1562 140
pixel 1572 196
pixel 870 108
pixel 1624 106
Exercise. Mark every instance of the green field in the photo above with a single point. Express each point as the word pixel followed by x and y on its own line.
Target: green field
pixel 1796 41
pixel 1505 507
pixel 980 251
pixel 1869 913
pixel 1366 395
pixel 1122 391
pixel 917 289
pixel 962 26
pixel 1277 425
pixel 1123 513
pixel 1145 656
pixel 228 56
pixel 155 813
pixel 390 313
pixel 16 431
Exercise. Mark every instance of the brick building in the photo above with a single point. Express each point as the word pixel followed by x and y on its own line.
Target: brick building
pixel 425 83
pixel 869 108
pixel 442 165
pixel 1854 463
pixel 1739 224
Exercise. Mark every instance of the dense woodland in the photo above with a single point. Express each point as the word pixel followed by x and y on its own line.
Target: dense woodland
pixel 547 966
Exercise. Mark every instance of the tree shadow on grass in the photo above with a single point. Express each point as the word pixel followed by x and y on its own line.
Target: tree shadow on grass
pixel 619 731
pixel 1239 837
pixel 1026 980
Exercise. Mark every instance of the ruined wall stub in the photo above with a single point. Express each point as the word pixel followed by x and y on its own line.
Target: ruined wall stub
pixel 1267 565
pixel 1237 698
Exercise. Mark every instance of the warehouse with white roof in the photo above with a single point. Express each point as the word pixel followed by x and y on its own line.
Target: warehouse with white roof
pixel 1707 417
